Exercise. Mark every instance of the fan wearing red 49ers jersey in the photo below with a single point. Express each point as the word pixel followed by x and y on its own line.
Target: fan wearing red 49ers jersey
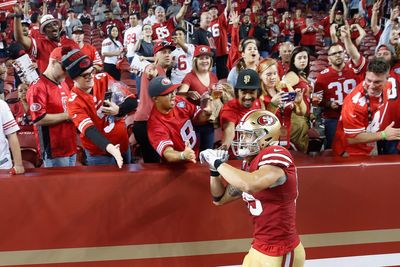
pixel 362 114
pixel 334 84
pixel 268 183
pixel 219 31
pixel 170 127
pixel 162 29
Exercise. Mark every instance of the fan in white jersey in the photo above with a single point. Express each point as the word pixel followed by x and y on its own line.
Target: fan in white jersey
pixel 131 36
pixel 182 56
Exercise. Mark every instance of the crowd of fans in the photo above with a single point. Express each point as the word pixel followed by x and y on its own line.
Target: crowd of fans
pixel 163 80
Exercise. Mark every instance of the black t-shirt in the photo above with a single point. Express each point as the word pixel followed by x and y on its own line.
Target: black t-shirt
pixel 146 49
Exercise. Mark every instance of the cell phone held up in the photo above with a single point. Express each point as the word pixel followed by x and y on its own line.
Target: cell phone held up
pixel 107 96
pixel 289 97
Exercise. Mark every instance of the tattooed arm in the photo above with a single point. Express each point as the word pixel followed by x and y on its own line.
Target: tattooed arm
pixel 222 194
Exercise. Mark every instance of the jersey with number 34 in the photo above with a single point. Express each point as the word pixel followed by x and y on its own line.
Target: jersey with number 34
pixel 274 208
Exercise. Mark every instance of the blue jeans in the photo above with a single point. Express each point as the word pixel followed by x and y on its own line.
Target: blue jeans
pixel 330 129
pixel 388 147
pixel 205 135
pixel 59 162
pixel 106 159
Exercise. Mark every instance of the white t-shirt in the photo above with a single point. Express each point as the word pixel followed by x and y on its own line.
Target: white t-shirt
pixel 109 46
pixel 150 20
pixel 182 63
pixel 8 126
pixel 130 38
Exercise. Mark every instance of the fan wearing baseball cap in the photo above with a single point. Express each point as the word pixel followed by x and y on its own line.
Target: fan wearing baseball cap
pixel 163 58
pixel 40 48
pixel 99 119
pixel 247 93
pixel 78 35
pixel 170 127
pixel 55 133
pixel 197 84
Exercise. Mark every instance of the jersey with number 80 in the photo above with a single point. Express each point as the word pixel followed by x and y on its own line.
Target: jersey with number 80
pixel 335 86
pixel 273 209
pixel 173 129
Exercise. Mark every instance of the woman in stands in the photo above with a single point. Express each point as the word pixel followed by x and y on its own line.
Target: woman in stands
pixel 112 50
pixel 144 48
pixel 249 60
pixel 197 85
pixel 276 98
pixel 299 69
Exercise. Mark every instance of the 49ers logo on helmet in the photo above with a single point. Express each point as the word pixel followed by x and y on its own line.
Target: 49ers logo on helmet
pixel 165 81
pixel 266 120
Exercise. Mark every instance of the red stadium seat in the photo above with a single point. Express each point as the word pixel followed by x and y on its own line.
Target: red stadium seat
pixel 27 139
pixel 31 155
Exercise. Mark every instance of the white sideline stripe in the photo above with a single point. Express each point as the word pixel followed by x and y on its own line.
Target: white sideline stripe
pixel 355 261
pixel 212 247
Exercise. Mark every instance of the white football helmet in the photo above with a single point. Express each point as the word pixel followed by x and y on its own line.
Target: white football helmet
pixel 255 131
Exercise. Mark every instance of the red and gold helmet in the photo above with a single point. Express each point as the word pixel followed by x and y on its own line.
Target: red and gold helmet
pixel 255 131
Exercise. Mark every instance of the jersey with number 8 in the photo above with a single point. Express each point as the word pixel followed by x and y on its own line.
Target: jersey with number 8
pixel 173 129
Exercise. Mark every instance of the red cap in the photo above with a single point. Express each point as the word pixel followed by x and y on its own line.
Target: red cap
pixel 56 54
pixel 201 50
pixel 161 45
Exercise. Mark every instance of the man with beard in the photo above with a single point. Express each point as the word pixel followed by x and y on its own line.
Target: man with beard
pixel 334 84
pixel 163 58
pixel 41 47
pixel 247 91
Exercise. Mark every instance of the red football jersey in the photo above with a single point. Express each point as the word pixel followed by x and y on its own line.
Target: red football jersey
pixel 195 84
pixel 92 53
pixel 84 109
pixel 219 31
pixel 42 47
pixel 282 68
pixel 274 209
pixel 354 120
pixel 393 108
pixel 335 86
pixel 163 31
pixel 298 24
pixel 310 36
pixel 233 111
pixel 173 129
pixel 305 87
pixel 46 97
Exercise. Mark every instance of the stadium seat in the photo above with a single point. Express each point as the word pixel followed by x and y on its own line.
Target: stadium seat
pixel 31 155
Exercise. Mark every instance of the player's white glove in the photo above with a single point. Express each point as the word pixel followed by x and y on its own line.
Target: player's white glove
pixel 210 156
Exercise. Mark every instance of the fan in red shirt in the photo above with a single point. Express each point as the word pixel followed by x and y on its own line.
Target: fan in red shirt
pixel 247 91
pixel 219 31
pixel 78 36
pixel 97 106
pixel 41 47
pixel 170 127
pixel 285 51
pixel 163 28
pixel 309 34
pixel 362 114
pixel 47 98
pixel 299 21
pixel 333 84
pixel 268 184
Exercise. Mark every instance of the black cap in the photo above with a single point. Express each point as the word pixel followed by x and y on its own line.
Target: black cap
pixel 161 86
pixel 77 29
pixel 248 80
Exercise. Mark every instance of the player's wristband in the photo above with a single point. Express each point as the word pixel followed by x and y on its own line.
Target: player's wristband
pixel 217 163
pixel 214 173
pixel 383 135
pixel 182 156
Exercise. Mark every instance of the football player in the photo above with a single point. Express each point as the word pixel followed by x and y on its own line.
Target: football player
pixel 267 182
